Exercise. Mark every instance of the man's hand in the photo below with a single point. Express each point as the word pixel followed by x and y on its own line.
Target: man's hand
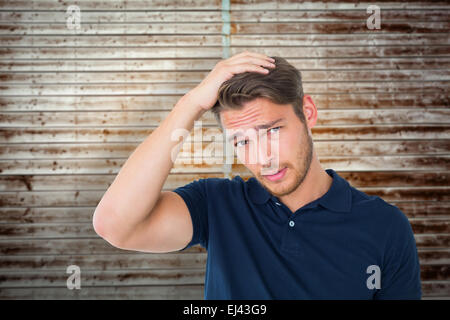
pixel 206 93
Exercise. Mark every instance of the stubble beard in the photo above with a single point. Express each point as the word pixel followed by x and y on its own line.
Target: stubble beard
pixel 304 160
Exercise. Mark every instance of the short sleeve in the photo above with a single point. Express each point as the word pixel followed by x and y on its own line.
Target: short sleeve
pixel 400 277
pixel 194 195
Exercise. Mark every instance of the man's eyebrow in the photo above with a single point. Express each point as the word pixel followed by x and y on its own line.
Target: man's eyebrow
pixel 261 126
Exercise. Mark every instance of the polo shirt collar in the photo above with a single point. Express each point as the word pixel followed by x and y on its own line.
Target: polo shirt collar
pixel 338 198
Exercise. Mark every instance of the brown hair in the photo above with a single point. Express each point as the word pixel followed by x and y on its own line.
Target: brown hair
pixel 282 85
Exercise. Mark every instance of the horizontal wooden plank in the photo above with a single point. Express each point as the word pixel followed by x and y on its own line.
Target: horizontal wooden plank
pixel 86 230
pixel 410 194
pixel 161 40
pixel 215 165
pixel 180 76
pixel 205 165
pixel 55 5
pixel 432 241
pixel 138 134
pixel 34 230
pixel 100 182
pixel 132 17
pixel 436 289
pixel 423 209
pixel 120 5
pixel 191 149
pixel 325 27
pixel 288 52
pixel 189 64
pixel 315 16
pixel 395 179
pixel 215 27
pixel 166 16
pixel 80 246
pixel 421 226
pixel 439 257
pixel 125 261
pixel 155 102
pixel 150 28
pixel 137 261
pixel 50 214
pixel 113 53
pixel 340 5
pixel 177 292
pixel 142 118
pixel 295 39
pixel 180 40
pixel 159 277
pixel 184 87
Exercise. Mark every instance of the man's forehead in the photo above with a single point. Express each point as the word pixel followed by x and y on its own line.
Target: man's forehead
pixel 241 118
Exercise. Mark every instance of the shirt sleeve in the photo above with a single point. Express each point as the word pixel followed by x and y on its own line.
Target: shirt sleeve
pixel 400 276
pixel 194 195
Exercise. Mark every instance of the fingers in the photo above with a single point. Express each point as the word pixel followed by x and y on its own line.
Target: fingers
pixel 254 54
pixel 247 67
pixel 250 62
pixel 253 60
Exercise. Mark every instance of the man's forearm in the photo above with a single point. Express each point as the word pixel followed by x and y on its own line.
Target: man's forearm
pixel 137 187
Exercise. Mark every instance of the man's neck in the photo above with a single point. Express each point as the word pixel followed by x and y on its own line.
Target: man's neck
pixel 316 183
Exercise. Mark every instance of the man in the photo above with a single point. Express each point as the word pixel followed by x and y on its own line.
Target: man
pixel 293 231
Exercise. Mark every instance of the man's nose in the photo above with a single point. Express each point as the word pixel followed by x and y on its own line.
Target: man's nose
pixel 266 156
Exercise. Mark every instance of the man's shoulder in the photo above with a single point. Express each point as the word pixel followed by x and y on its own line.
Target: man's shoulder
pixel 376 207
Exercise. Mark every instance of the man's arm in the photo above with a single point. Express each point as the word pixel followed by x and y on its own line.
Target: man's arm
pixel 124 209
pixel 134 213
pixel 400 275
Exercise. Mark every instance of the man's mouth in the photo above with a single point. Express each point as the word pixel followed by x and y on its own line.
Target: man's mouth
pixel 276 176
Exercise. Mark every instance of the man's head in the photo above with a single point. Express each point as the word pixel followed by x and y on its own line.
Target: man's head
pixel 282 85
pixel 276 106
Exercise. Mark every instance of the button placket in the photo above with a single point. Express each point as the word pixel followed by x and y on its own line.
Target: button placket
pixel 289 241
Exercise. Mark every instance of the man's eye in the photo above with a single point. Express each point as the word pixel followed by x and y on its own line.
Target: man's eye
pixel 241 143
pixel 278 128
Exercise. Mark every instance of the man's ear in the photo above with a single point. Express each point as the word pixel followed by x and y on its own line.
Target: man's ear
pixel 309 110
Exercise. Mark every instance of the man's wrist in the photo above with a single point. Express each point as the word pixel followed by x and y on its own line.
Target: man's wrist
pixel 188 105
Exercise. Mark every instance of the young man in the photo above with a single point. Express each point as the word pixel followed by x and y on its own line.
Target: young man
pixel 293 231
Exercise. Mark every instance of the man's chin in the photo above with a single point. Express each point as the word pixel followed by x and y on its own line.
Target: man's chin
pixel 276 188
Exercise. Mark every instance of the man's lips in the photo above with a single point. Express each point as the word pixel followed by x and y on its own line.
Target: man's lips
pixel 277 175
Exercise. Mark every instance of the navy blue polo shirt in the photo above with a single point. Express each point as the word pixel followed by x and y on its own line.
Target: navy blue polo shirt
pixel 343 245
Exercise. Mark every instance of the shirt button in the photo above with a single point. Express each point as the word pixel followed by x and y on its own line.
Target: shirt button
pixel 291 223
pixel 278 204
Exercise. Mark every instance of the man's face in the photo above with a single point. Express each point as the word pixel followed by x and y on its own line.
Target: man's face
pixel 284 147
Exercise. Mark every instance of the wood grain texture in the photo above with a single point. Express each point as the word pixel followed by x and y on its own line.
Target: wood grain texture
pixel 75 104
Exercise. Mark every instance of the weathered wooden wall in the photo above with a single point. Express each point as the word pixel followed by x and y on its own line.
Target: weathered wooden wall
pixel 75 104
